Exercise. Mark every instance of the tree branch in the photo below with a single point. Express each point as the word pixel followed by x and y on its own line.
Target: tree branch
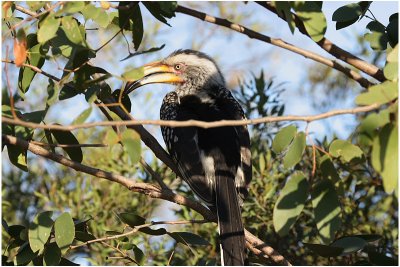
pixel 332 48
pixel 188 123
pixel 144 188
pixel 277 42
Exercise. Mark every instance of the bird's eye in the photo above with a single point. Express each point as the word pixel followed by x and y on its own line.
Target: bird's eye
pixel 178 66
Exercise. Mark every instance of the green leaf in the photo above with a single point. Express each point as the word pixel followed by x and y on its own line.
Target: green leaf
pixel 48 28
pixel 326 210
pixel 188 239
pixel 83 236
pixel 168 8
pixel 384 156
pixel 133 74
pixel 345 150
pixel 72 31
pixel 68 91
pixel 15 230
pixel 324 250
pixel 380 94
pixel 83 116
pixel 313 19
pixel 17 157
pixel 393 55
pixel 91 12
pixel 52 255
pixel 329 171
pixel 71 7
pixel 283 8
pixel 53 90
pixel 131 219
pixel 132 145
pixel 103 19
pixel 155 9
pixel 64 137
pixel 24 255
pixel 290 203
pixel 26 74
pixel 344 24
pixel 392 29
pixel 296 149
pixel 348 12
pixel 149 231
pixel 373 121
pixel 283 138
pixel 39 230
pixel 64 231
pixel 137 26
pixel 378 37
pixel 391 71
pixel 349 244
pixel 139 255
pixel 124 15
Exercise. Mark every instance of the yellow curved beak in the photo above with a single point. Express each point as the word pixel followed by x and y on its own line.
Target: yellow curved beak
pixel 155 72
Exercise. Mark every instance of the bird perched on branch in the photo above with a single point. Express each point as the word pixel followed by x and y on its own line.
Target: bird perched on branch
pixel 215 162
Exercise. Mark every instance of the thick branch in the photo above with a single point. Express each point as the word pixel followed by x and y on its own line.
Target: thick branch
pixel 137 124
pixel 332 48
pixel 144 188
pixel 277 42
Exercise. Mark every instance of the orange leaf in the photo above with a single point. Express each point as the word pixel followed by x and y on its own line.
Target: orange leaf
pixel 105 5
pixel 20 52
pixel 6 5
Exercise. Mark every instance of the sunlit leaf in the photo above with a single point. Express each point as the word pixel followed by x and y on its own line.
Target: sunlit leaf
pixel 295 151
pixel 131 142
pixel 48 29
pixel 72 31
pixel 290 203
pixel 64 231
pixel 133 74
pixel 345 150
pixel 313 19
pixel 83 116
pixel 39 230
pixel 283 138
pixel 384 156
pixel 379 94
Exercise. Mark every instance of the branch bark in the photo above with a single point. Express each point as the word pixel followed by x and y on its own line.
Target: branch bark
pixel 332 48
pixel 144 188
pixel 277 42
pixel 137 124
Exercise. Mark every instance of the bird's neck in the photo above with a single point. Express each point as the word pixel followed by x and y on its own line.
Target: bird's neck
pixel 205 93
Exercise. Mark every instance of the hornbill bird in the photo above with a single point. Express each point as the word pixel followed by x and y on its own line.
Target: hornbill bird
pixel 215 162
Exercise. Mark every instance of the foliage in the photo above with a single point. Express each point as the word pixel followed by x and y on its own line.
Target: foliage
pixel 315 201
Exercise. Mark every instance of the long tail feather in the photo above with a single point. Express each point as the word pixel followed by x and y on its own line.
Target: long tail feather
pixel 229 222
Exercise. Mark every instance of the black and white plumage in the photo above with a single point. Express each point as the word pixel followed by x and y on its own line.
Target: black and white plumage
pixel 215 162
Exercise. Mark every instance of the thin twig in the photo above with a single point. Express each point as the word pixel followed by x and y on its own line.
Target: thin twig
pixel 332 48
pixel 153 173
pixel 196 123
pixel 144 188
pixel 277 42
pixel 68 145
pixel 33 15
